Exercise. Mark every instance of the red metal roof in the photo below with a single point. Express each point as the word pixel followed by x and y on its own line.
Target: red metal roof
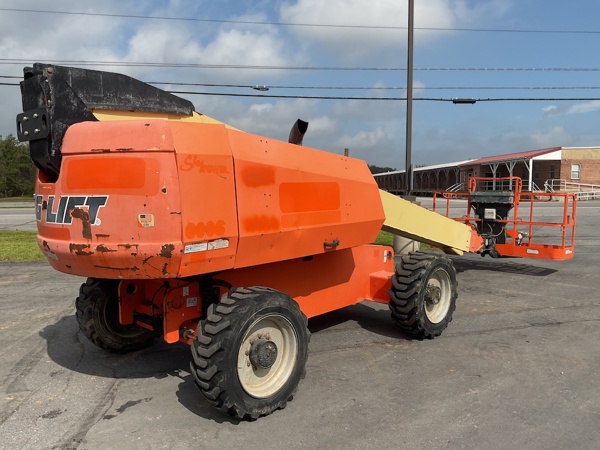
pixel 511 156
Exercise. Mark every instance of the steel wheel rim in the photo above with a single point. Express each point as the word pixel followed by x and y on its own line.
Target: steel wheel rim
pixel 436 308
pixel 262 382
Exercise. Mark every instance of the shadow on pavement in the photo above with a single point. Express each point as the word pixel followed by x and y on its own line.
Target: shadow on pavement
pixel 68 348
pixel 505 265
pixel 376 320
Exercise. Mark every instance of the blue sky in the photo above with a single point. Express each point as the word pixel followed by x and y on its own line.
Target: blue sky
pixel 450 34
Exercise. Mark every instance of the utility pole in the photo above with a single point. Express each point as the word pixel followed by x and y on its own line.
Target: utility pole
pixel 402 245
pixel 408 172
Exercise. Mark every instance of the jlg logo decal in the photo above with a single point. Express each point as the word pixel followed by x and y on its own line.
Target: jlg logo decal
pixel 58 209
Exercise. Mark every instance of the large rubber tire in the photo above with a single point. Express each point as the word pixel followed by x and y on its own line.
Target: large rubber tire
pixel 423 293
pixel 225 354
pixel 98 318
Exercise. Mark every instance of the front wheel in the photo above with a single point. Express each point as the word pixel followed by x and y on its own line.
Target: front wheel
pixel 423 293
pixel 250 352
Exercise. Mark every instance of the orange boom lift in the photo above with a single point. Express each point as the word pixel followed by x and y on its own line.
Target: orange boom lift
pixel 193 231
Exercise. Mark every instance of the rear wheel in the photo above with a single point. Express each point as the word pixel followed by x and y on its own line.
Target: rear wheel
pixel 250 352
pixel 423 294
pixel 98 318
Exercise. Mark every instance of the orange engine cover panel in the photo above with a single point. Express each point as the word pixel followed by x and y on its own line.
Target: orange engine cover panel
pixel 162 199
pixel 296 201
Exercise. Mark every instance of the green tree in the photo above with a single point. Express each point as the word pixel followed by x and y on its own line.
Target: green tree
pixel 17 172
pixel 377 169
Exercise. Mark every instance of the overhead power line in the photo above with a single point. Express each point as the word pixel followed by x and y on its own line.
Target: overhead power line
pixel 371 88
pixel 351 88
pixel 294 24
pixel 332 97
pixel 429 99
pixel 10 61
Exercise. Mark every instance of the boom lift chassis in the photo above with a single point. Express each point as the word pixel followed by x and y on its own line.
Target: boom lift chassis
pixel 189 229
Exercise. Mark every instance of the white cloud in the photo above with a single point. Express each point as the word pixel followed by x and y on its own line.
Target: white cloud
pixel 322 126
pixel 271 119
pixel 517 140
pixel 163 43
pixel 371 141
pixel 42 37
pixel 551 110
pixel 261 109
pixel 244 47
pixel 584 108
pixel 580 108
pixel 418 87
pixel 363 140
pixel 60 37
pixel 553 137
pixel 358 43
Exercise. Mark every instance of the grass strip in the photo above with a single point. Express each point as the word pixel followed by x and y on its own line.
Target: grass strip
pixel 22 245
pixel 16 199
pixel 385 238
pixel 19 246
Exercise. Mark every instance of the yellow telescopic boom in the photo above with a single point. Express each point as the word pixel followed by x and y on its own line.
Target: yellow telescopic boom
pixel 412 221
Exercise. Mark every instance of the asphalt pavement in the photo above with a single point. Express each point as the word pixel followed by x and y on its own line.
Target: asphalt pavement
pixel 516 369
pixel 17 216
